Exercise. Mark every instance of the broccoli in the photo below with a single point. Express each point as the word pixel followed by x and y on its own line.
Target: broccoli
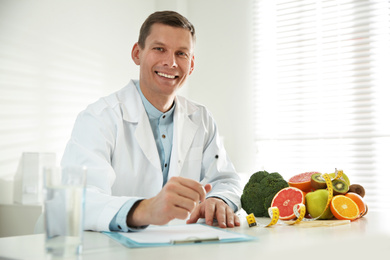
pixel 259 192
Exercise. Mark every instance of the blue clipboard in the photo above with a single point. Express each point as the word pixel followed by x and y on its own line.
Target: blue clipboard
pixel 172 235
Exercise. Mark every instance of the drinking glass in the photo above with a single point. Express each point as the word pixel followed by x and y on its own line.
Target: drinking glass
pixel 64 200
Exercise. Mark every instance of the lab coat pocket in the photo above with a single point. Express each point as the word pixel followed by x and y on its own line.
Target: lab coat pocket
pixel 193 163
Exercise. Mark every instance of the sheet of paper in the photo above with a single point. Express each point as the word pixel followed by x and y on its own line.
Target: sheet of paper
pixel 166 234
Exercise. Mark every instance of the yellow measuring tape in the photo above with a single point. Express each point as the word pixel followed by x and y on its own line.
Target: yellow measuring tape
pixel 273 212
pixel 300 209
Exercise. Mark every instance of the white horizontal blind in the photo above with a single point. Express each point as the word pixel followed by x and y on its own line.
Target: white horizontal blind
pixel 322 90
pixel 44 84
pixel 56 57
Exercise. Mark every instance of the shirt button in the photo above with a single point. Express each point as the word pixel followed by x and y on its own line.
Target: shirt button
pixel 119 227
pixel 163 136
pixel 163 116
pixel 166 165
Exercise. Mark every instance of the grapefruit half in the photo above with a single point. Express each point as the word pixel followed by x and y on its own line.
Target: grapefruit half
pixel 285 200
pixel 302 181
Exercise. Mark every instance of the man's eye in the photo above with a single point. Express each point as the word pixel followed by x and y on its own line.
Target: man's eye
pixel 159 49
pixel 182 54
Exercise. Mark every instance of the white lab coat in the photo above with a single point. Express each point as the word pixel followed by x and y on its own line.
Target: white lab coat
pixel 114 139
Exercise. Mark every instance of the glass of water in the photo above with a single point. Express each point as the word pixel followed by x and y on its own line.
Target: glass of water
pixel 64 200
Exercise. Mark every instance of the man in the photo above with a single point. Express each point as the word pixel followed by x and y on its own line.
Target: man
pixel 153 156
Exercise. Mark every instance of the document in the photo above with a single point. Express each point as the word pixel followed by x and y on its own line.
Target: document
pixel 177 234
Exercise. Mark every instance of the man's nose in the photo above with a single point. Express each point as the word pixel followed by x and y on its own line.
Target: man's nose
pixel 170 60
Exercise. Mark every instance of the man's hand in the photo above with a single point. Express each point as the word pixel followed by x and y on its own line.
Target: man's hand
pixel 215 208
pixel 178 199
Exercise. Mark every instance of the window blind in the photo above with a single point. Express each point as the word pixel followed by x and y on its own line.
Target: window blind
pixel 322 90
pixel 43 87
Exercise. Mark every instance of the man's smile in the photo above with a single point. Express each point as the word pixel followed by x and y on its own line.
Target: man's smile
pixel 168 76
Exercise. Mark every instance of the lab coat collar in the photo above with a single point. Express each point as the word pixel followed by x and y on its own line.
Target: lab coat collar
pixel 183 134
pixel 132 104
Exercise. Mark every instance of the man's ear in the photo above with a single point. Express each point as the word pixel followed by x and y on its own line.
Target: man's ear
pixel 135 53
pixel 192 64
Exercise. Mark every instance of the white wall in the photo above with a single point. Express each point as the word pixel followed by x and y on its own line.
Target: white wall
pixel 222 79
pixel 58 56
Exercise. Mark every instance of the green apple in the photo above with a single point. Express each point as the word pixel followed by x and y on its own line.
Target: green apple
pixel 316 203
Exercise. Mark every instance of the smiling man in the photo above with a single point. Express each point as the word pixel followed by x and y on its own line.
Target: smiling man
pixel 166 60
pixel 153 156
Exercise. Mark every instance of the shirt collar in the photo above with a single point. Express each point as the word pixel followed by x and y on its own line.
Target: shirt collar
pixel 153 113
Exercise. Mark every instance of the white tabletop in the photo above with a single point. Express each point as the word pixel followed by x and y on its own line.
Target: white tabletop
pixel 365 238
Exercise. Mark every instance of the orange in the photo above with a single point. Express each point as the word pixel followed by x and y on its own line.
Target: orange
pixel 344 208
pixel 359 201
pixel 301 181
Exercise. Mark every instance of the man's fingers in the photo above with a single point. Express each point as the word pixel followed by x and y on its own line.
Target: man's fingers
pixel 180 194
pixel 181 197
pixel 237 221
pixel 221 214
pixel 194 191
pixel 209 213
pixel 214 208
pixel 208 188
pixel 220 211
pixel 230 222
pixel 195 215
pixel 178 199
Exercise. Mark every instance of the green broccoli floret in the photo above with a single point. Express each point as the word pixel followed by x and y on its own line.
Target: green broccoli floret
pixel 259 192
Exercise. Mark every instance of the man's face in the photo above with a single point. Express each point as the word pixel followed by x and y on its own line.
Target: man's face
pixel 166 61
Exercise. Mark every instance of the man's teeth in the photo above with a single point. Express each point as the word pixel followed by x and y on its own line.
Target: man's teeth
pixel 165 75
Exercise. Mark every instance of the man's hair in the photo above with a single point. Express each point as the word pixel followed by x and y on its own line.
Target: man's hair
pixel 170 18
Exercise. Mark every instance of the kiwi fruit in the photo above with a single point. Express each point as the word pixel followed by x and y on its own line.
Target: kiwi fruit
pixel 339 187
pixel 343 177
pixel 317 182
pixel 357 188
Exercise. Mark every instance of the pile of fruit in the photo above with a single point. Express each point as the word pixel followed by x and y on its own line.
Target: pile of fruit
pixel 310 189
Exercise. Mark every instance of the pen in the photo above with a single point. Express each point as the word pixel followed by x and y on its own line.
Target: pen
pixel 194 240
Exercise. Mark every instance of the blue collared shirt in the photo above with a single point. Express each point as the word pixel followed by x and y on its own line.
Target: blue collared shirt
pixel 162 127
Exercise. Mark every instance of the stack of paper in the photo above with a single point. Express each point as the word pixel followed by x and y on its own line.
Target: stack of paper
pixel 177 234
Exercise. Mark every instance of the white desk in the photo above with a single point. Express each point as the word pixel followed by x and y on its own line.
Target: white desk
pixel 366 238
